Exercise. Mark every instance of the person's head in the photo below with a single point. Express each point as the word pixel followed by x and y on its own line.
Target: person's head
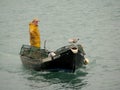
pixel 35 21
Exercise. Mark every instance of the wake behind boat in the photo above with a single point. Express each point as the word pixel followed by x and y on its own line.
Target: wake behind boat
pixel 67 58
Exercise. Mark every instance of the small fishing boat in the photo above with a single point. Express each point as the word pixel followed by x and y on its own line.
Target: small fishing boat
pixel 67 58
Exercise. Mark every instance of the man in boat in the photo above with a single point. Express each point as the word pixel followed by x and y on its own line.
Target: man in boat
pixel 35 41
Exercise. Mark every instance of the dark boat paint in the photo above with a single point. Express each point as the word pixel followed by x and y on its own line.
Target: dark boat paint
pixel 65 60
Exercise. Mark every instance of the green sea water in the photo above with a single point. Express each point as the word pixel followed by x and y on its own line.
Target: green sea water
pixel 95 22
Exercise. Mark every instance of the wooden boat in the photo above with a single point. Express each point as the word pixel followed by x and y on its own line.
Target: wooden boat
pixel 67 58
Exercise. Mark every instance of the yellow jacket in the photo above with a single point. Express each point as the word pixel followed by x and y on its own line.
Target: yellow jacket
pixel 34 35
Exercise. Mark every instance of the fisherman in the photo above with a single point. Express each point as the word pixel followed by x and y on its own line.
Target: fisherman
pixel 35 41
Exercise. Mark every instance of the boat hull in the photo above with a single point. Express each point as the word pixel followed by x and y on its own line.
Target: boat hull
pixel 65 60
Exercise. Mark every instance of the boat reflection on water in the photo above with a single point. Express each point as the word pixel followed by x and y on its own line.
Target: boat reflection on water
pixel 58 80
